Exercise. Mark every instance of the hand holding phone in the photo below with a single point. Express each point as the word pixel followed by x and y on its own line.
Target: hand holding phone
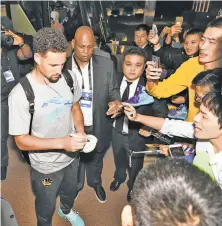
pixel 175 30
pixel 164 31
pixel 176 150
pixel 153 72
pixel 154 29
pixel 144 133
pixel 179 20
pixel 156 60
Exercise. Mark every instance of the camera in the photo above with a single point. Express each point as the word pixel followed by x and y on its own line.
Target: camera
pixel 6 40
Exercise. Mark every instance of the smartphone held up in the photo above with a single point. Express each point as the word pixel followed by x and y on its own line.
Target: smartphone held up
pixel 156 61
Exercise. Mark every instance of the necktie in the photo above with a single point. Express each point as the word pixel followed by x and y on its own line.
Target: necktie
pixel 120 120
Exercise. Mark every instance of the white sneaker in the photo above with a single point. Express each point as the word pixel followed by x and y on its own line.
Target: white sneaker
pixel 73 217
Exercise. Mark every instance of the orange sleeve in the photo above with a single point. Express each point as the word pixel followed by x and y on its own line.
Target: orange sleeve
pixel 176 83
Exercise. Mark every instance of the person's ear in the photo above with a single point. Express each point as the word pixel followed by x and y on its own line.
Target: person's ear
pixel 37 58
pixel 127 216
pixel 73 43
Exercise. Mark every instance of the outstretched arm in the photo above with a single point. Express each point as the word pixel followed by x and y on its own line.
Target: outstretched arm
pixel 165 126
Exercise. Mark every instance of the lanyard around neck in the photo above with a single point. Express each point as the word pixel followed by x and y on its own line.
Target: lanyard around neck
pixel 89 74
pixel 6 59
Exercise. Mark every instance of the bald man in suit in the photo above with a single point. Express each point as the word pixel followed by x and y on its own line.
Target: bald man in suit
pixel 100 99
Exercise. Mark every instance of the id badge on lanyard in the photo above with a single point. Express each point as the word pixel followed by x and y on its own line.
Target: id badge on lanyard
pixel 86 99
pixel 8 76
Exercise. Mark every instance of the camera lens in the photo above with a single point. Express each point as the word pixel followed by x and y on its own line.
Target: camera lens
pixel 6 40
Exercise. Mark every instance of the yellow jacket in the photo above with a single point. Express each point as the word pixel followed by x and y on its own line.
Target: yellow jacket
pixel 179 81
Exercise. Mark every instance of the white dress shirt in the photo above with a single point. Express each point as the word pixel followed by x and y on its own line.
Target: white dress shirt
pixel 132 91
pixel 87 112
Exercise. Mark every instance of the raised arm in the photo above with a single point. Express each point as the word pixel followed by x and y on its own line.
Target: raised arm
pixel 176 83
pixel 25 51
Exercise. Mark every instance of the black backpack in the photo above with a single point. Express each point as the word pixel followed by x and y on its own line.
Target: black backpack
pixel 31 98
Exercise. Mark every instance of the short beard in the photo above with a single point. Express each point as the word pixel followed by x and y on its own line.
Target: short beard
pixel 53 81
pixel 49 79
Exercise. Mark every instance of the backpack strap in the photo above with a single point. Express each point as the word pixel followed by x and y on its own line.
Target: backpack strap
pixel 30 97
pixel 69 80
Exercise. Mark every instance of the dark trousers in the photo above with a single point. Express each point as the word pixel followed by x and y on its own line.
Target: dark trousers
pixel 91 165
pixel 4 139
pixel 63 183
pixel 121 149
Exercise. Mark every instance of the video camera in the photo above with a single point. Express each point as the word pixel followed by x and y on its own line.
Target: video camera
pixel 6 40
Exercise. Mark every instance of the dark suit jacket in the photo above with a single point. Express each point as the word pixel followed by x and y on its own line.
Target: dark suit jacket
pixel 105 89
pixel 136 141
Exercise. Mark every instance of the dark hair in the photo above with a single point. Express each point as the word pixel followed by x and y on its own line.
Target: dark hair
pixel 49 39
pixel 215 23
pixel 97 39
pixel 135 51
pixel 213 102
pixel 173 193
pixel 194 31
pixel 106 48
pixel 210 78
pixel 143 27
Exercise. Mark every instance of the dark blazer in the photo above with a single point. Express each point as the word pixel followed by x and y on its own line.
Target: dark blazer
pixel 105 89
pixel 136 141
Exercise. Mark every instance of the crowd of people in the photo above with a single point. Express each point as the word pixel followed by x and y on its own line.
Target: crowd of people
pixel 158 84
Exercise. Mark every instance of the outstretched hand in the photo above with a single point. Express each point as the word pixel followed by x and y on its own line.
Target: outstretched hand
pixel 144 133
pixel 153 39
pixel 115 108
pixel 130 111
